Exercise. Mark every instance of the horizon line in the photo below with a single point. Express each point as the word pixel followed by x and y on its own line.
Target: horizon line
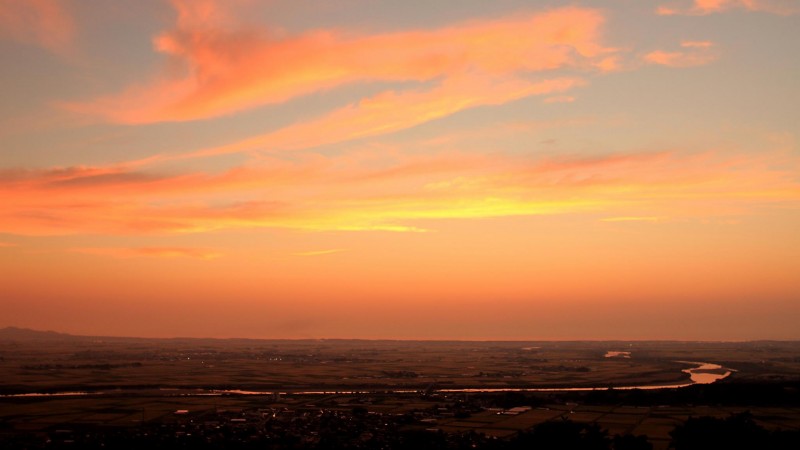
pixel 521 340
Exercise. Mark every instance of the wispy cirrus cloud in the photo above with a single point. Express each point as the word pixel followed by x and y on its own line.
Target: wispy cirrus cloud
pixel 46 23
pixel 151 252
pixel 389 112
pixel 705 7
pixel 633 219
pixel 692 53
pixel 319 252
pixel 697 44
pixel 399 194
pixel 230 68
pixel 559 99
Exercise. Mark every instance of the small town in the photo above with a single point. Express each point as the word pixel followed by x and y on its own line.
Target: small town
pixel 375 421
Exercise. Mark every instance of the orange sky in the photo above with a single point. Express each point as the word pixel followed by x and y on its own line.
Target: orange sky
pixel 463 170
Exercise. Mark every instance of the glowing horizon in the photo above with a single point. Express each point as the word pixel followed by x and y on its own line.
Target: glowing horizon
pixel 513 170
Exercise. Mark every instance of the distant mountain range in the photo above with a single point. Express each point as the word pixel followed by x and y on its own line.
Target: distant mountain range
pixel 26 334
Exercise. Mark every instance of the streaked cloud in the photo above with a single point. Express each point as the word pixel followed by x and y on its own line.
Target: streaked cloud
pixel 693 53
pixel 319 252
pixel 152 252
pixel 260 159
pixel 633 219
pixel 697 44
pixel 230 68
pixel 704 7
pixel 351 193
pixel 559 99
pixel 389 112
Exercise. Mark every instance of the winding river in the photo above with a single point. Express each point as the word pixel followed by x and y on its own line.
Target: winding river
pixel 704 373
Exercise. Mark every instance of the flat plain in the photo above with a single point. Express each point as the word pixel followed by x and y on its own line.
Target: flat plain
pixel 124 382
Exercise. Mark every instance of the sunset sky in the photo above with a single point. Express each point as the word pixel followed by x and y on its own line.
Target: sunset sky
pixel 464 169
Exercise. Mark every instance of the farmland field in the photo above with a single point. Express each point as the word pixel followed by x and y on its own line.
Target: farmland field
pixel 55 383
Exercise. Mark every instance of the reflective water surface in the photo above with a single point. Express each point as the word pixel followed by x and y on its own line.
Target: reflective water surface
pixel 697 375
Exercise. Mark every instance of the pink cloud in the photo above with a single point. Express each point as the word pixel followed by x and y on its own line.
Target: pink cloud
pixel 609 64
pixel 318 252
pixel 697 44
pixel 694 53
pixel 153 252
pixel 45 23
pixel 392 193
pixel 704 7
pixel 559 99
pixel 230 68
pixel 392 111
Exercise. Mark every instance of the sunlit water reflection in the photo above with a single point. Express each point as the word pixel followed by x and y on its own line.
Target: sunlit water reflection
pixel 704 373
